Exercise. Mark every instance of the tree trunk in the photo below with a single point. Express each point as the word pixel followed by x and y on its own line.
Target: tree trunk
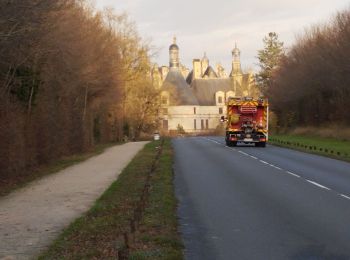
pixel 85 101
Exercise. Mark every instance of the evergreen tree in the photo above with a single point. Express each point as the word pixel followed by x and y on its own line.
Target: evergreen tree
pixel 269 58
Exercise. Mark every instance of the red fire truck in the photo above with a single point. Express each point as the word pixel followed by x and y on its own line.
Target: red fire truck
pixel 247 121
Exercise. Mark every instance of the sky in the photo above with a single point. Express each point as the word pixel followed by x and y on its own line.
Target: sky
pixel 214 26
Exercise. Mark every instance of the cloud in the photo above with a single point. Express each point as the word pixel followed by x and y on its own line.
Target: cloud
pixel 214 26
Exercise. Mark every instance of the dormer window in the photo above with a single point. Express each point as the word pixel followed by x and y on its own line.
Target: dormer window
pixel 219 98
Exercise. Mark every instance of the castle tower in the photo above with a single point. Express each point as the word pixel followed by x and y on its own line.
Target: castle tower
pixel 236 61
pixel 204 63
pixel 197 69
pixel 174 55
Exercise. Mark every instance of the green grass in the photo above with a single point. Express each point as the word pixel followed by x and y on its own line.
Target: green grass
pixel 159 224
pixel 329 147
pixel 10 184
pixel 100 233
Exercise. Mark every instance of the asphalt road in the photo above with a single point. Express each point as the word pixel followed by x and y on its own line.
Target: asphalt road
pixel 260 203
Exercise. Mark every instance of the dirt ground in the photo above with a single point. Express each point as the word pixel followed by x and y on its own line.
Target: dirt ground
pixel 32 217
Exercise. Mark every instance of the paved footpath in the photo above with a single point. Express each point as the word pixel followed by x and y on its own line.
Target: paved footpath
pixel 32 217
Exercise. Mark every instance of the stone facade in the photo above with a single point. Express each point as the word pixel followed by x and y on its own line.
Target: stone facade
pixel 192 119
pixel 193 101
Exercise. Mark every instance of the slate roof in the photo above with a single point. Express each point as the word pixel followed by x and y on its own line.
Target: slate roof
pixel 198 91
pixel 189 77
pixel 210 73
pixel 180 92
pixel 205 89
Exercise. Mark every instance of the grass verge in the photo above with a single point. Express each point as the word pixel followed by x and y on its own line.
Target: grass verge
pixel 329 147
pixel 134 219
pixel 10 184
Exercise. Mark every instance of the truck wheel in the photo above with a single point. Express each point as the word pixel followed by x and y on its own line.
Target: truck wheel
pixel 261 144
pixel 233 143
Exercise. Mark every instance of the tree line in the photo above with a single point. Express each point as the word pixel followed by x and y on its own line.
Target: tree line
pixel 310 83
pixel 70 77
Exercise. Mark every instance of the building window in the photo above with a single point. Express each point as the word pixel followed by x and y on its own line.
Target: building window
pixel 164 100
pixel 202 124
pixel 164 111
pixel 221 111
pixel 194 110
pixel 195 124
pixel 207 124
pixel 165 125
pixel 219 100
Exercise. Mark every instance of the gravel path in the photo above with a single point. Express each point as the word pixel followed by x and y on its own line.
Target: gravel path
pixel 32 217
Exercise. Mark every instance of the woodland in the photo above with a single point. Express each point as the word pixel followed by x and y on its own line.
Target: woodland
pixel 71 77
pixel 310 86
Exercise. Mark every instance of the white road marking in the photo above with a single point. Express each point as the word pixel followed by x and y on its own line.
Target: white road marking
pixel 344 196
pixel 274 166
pixel 295 175
pixel 318 185
pixel 214 141
pixel 263 162
pixel 211 140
